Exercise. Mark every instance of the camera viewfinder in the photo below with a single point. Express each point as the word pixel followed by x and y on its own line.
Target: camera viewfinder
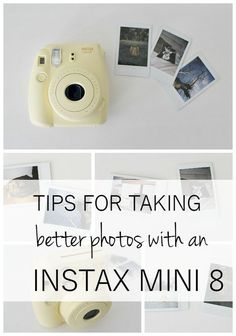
pixel 41 60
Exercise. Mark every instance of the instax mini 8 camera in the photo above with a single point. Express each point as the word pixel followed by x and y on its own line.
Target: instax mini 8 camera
pixel 77 315
pixel 69 86
pixel 54 307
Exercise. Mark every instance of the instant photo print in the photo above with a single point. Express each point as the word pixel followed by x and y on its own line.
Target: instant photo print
pixel 197 179
pixel 196 171
pixel 194 78
pixel 21 182
pixel 133 52
pixel 78 219
pixel 220 302
pixel 165 304
pixel 125 185
pixel 122 262
pixel 168 54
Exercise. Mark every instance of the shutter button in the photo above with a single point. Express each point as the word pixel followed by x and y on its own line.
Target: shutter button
pixel 42 76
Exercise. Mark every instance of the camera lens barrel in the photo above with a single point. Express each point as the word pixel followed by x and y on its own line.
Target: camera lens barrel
pixel 79 315
pixel 74 92
pixel 91 314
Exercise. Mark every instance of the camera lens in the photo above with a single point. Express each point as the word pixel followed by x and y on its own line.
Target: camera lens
pixel 91 314
pixel 74 92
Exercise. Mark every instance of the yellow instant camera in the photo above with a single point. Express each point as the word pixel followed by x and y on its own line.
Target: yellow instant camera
pixel 73 308
pixel 69 86
pixel 77 315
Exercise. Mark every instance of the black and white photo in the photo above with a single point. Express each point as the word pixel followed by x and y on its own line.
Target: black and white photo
pixel 197 179
pixel 168 54
pixel 21 182
pixel 78 218
pixel 224 297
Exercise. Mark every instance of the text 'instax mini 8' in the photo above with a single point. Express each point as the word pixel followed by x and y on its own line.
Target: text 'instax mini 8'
pixel 69 86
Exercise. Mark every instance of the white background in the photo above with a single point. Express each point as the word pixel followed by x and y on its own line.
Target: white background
pixel 141 114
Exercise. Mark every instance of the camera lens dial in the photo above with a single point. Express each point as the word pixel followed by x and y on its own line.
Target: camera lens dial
pixel 74 93
pixel 79 315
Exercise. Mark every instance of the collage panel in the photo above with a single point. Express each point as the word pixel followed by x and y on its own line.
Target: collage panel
pixel 177 315
pixel 153 86
pixel 55 174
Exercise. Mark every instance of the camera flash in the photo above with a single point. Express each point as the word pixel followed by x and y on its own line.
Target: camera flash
pixel 56 56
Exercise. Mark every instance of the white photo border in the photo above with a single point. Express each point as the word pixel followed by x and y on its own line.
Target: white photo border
pixel 44 172
pixel 180 104
pixel 159 74
pixel 132 70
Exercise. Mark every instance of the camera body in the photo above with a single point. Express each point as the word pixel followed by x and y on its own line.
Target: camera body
pixel 77 315
pixel 78 308
pixel 69 86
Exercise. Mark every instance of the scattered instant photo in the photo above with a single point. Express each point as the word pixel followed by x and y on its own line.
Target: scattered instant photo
pixel 133 52
pixel 21 182
pixel 78 218
pixel 219 301
pixel 168 54
pixel 197 179
pixel 192 80
pixel 125 185
pixel 164 304
pixel 124 263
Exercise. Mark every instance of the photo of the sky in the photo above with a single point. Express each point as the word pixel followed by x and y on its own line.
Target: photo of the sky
pixel 192 78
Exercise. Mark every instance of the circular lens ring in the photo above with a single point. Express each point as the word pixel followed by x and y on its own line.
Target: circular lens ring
pixel 87 78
